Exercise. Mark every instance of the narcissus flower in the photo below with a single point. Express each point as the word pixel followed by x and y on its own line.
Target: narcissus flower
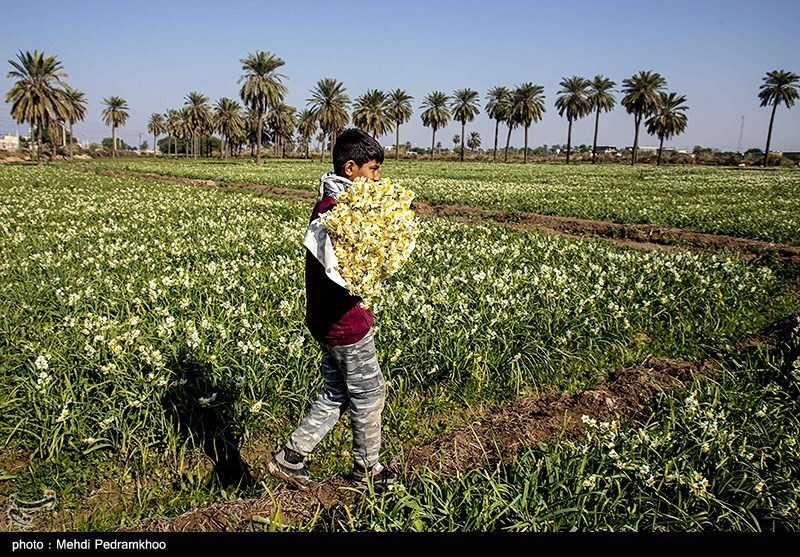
pixel 374 230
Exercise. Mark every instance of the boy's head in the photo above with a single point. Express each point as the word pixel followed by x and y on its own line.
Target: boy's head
pixel 355 154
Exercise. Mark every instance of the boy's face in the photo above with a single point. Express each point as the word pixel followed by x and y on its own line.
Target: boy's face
pixel 369 170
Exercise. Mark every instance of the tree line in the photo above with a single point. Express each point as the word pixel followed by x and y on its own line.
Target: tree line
pixel 42 98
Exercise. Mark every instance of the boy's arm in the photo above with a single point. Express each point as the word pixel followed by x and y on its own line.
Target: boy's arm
pixel 318 242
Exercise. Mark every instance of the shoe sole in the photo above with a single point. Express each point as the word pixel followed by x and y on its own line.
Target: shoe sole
pixel 281 475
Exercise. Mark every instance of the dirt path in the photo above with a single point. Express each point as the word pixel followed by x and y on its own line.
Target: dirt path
pixel 640 236
pixel 498 437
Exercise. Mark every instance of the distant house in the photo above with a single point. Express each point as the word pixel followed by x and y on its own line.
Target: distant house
pixel 650 148
pixel 9 142
pixel 606 149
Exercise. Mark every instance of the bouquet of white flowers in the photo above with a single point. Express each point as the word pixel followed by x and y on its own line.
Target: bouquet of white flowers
pixel 374 230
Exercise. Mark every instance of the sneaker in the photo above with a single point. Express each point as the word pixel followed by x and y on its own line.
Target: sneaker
pixel 381 476
pixel 288 465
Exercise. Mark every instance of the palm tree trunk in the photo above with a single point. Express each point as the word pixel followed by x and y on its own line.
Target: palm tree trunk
pixel 463 124
pixel 596 126
pixel 769 133
pixel 258 136
pixel 113 142
pixel 63 134
pixel 39 145
pixel 508 141
pixel 54 141
pixel 660 149
pixel 155 145
pixel 496 129
pixel 636 121
pixel 525 158
pixel 397 143
pixel 569 138
pixel 433 141
pixel 71 143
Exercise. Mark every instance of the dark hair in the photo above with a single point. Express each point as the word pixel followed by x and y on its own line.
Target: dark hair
pixel 357 146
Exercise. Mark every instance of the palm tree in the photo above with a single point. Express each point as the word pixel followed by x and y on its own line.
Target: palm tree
pixel 474 141
pixel 497 103
pixel 641 99
pixel 527 106
pixel 228 122
pixel 36 97
pixel 255 130
pixel 306 126
pixel 573 100
pixel 371 113
pixel 329 104
pixel 262 87
pixel 456 141
pixel 238 139
pixel 198 116
pixel 668 120
pixel 115 114
pixel 436 114
pixel 321 140
pixel 185 130
pixel 465 107
pixel 399 111
pixel 601 98
pixel 282 121
pixel 156 126
pixel 173 126
pixel 779 86
pixel 76 104
pixel 205 132
pixel 511 123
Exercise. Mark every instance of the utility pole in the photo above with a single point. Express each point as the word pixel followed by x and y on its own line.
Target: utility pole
pixel 741 133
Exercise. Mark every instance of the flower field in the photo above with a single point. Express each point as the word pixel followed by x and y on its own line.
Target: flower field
pixel 141 322
pixel 719 455
pixel 738 202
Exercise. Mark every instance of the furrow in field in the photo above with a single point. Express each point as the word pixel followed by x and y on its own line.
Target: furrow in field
pixel 497 438
pixel 640 236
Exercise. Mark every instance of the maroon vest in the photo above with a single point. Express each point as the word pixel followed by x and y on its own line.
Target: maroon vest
pixel 332 315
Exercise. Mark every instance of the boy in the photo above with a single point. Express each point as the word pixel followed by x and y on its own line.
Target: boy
pixel 351 374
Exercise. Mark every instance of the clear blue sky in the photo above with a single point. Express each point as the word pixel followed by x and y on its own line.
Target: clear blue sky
pixel 154 53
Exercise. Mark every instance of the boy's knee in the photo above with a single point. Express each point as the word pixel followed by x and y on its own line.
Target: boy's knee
pixel 370 397
pixel 335 397
pixel 372 386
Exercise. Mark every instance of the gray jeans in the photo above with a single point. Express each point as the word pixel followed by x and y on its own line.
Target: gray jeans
pixel 352 379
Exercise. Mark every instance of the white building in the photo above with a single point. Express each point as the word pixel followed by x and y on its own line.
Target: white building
pixel 9 142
